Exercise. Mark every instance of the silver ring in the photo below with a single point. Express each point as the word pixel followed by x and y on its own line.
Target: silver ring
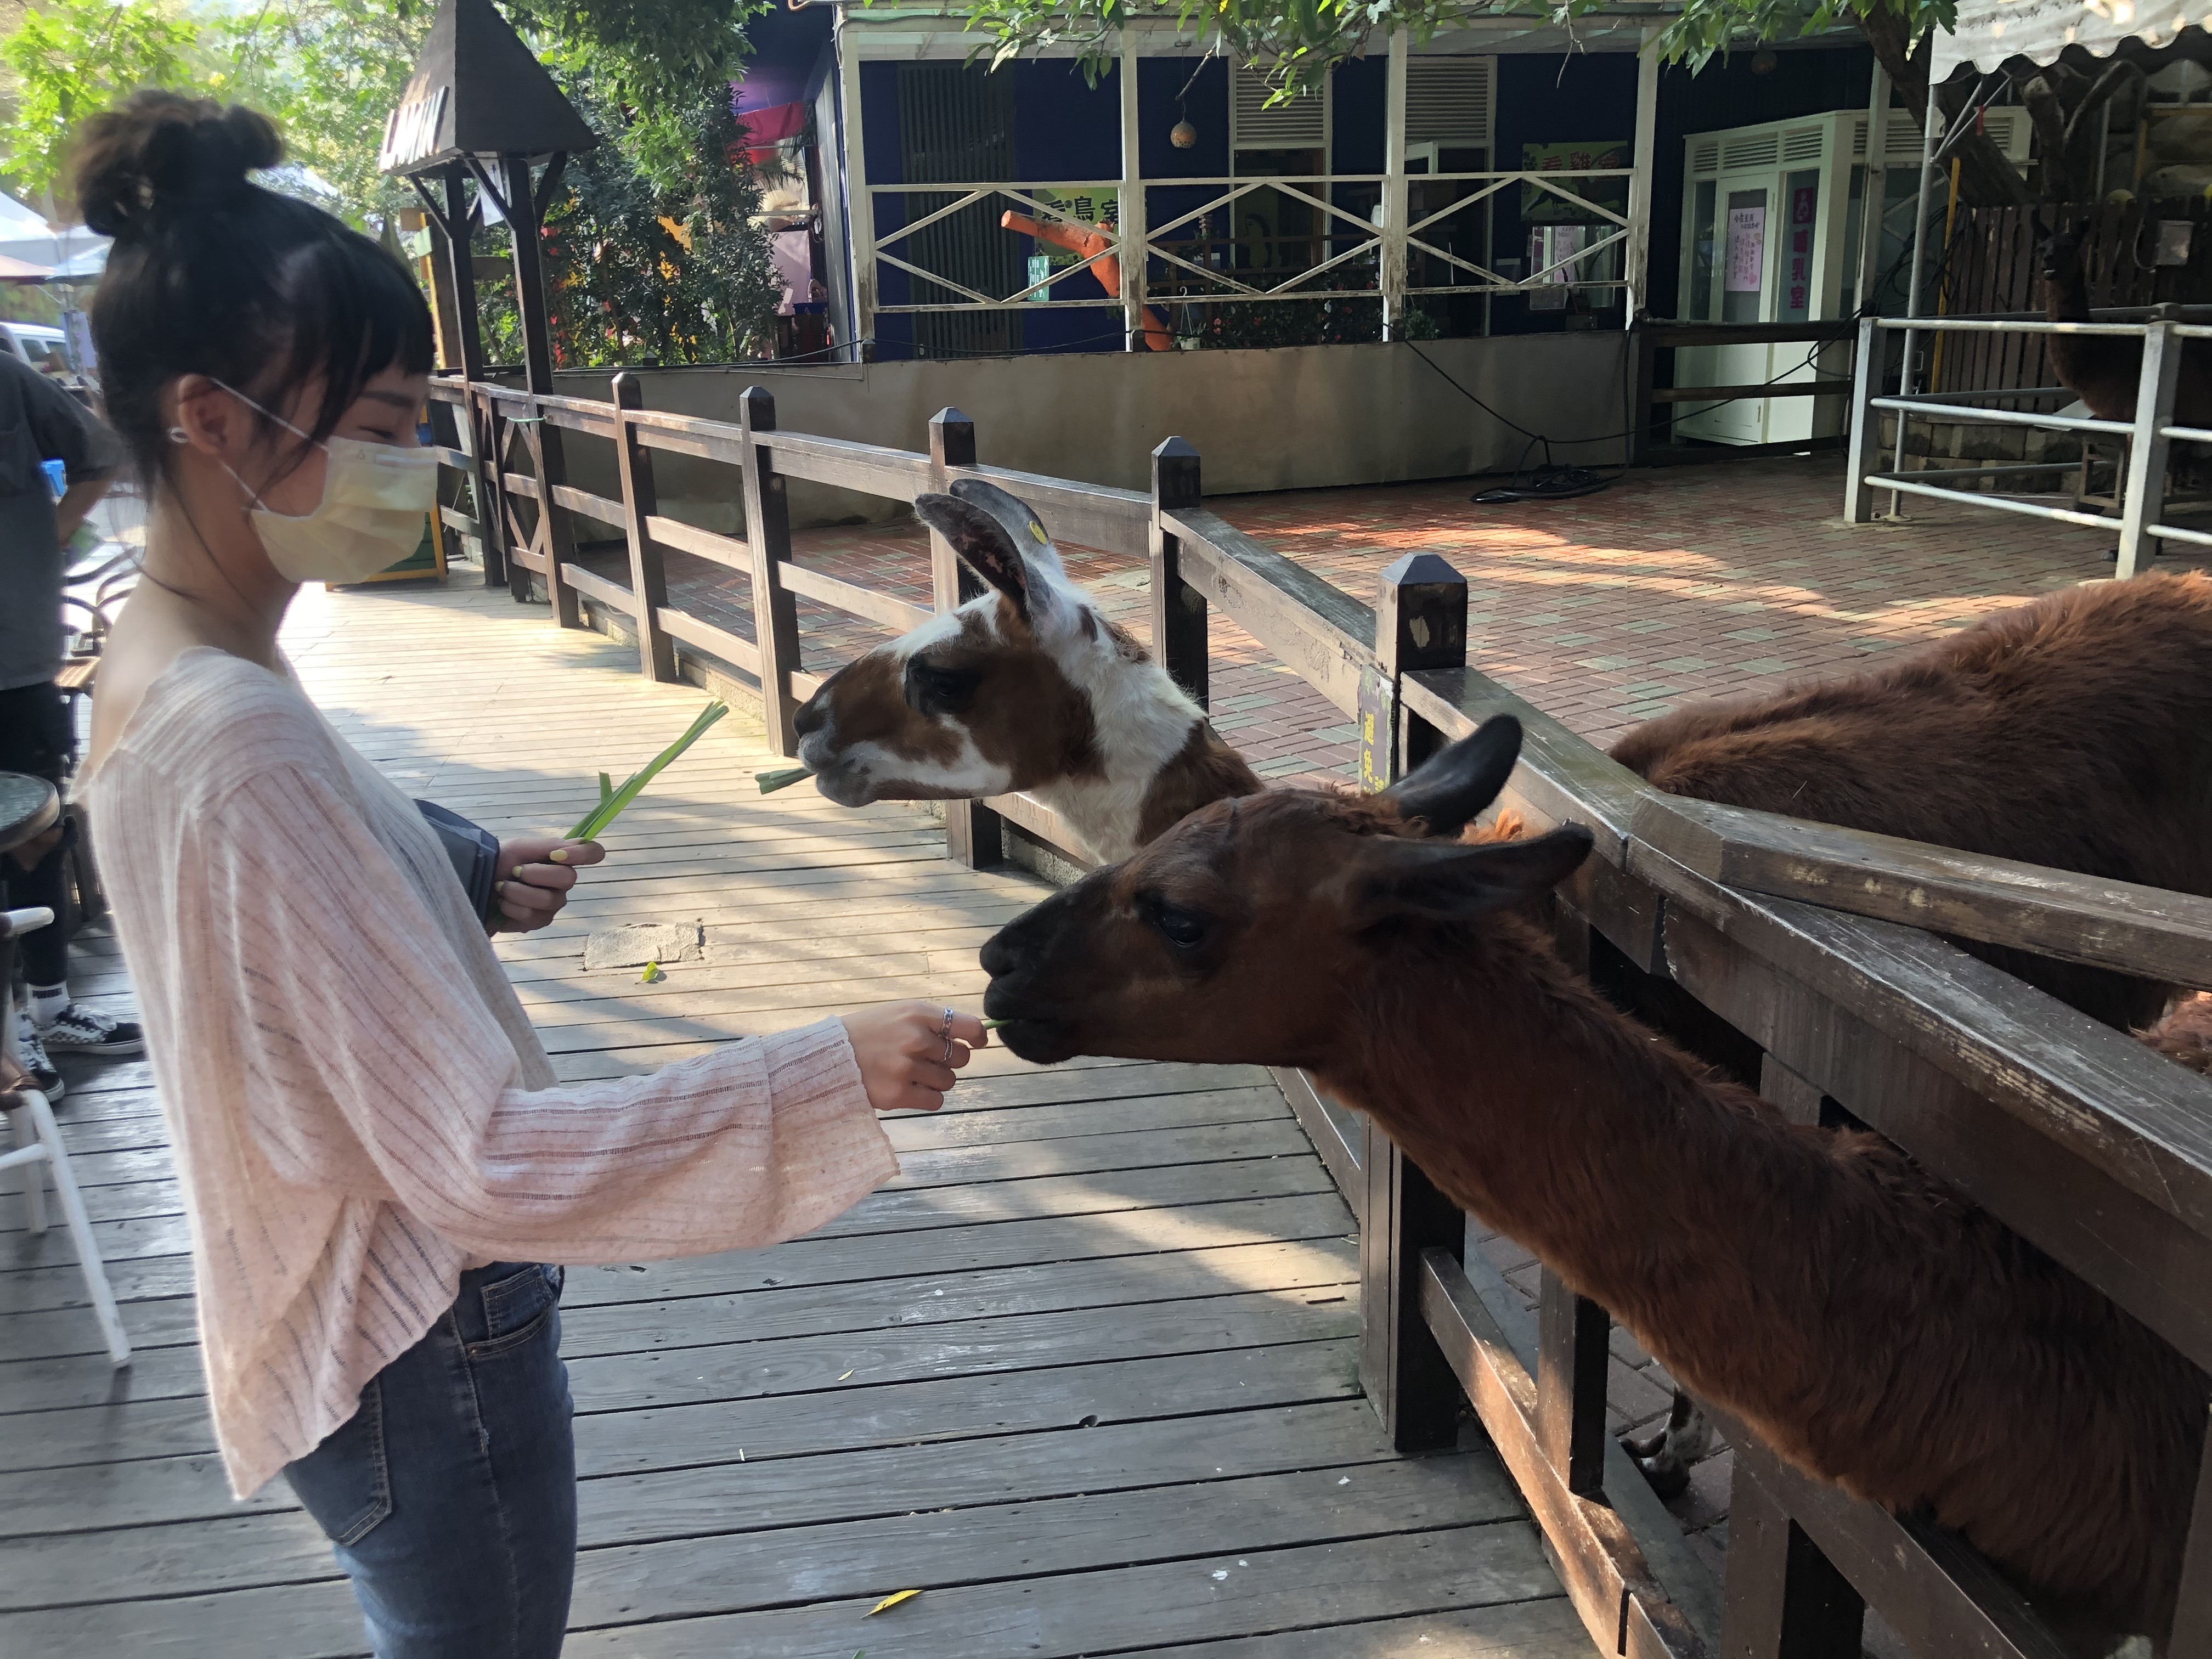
pixel 947 1058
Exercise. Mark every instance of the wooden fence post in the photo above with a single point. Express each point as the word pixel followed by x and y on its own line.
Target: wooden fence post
pixel 1570 1364
pixel 2191 1638
pixel 974 835
pixel 1642 428
pixel 556 533
pixel 1178 609
pixel 648 574
pixel 503 434
pixel 951 443
pixel 1785 1600
pixel 768 536
pixel 484 483
pixel 1421 622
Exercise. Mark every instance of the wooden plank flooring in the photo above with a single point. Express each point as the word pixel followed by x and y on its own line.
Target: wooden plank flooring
pixel 1084 1371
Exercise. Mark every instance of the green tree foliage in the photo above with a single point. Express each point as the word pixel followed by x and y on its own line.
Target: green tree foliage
pixel 651 250
pixel 663 263
pixel 70 58
pixel 329 72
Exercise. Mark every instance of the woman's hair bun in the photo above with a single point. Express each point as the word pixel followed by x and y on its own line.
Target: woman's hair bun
pixel 159 152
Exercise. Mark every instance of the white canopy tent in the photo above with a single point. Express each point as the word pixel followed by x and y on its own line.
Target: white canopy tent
pixel 73 251
pixel 1991 31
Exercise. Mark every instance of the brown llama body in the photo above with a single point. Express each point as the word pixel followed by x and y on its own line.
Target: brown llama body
pixel 2104 370
pixel 2074 733
pixel 1871 1324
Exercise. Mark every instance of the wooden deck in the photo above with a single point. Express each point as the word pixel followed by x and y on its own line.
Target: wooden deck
pixel 1084 1372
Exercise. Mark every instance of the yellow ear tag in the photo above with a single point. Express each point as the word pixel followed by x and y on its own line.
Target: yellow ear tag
pixel 1037 531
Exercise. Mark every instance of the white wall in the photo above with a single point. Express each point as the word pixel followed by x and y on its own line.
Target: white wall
pixel 1289 418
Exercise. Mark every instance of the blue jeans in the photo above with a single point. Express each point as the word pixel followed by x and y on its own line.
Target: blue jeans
pixel 450 1497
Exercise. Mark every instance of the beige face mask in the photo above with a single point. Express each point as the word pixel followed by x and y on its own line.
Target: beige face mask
pixel 376 498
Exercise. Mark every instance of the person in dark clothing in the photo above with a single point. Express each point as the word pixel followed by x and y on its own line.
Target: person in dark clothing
pixel 40 421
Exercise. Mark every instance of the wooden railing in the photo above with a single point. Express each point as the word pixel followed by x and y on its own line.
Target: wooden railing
pixel 2089 1145
pixel 1653 403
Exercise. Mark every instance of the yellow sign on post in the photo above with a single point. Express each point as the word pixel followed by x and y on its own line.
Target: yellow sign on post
pixel 1378 732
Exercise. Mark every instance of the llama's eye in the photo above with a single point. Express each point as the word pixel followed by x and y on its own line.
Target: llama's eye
pixel 931 689
pixel 1184 929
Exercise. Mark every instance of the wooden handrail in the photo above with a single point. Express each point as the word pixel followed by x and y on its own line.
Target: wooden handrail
pixel 1321 632
pixel 1721 394
pixel 2146 931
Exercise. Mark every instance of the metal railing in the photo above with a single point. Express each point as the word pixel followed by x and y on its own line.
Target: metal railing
pixel 2088 1143
pixel 1345 239
pixel 2148 434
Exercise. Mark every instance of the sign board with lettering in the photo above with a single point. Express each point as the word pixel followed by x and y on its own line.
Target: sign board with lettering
pixel 1747 249
pixel 1797 248
pixel 1540 206
pixel 1087 207
pixel 411 132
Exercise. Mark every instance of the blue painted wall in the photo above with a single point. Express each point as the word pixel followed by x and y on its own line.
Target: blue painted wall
pixel 1581 98
pixel 1358 91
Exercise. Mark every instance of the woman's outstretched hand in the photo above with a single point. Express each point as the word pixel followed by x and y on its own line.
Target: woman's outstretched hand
pixel 908 1052
pixel 535 875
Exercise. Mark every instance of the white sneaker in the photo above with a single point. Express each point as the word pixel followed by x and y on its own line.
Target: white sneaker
pixel 30 1055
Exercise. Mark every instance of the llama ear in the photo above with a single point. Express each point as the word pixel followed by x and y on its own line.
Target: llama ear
pixel 1416 880
pixel 982 543
pixel 1457 782
pixel 1017 518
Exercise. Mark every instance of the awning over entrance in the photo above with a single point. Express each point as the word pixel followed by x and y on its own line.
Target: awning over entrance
pixel 1990 32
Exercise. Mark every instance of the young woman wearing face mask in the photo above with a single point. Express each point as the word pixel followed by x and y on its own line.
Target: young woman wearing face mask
pixel 374 1155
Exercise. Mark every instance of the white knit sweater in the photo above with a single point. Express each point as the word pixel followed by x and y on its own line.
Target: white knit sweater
pixel 358 1106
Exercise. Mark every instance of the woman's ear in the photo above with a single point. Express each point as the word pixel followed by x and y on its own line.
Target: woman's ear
pixel 209 419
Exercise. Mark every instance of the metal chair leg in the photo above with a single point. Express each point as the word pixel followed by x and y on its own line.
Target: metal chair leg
pixel 35 1179
pixel 80 1226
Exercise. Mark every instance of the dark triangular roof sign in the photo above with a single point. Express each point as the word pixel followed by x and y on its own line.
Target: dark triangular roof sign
pixel 478 90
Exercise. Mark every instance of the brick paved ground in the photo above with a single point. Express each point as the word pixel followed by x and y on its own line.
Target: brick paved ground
pixel 1672 587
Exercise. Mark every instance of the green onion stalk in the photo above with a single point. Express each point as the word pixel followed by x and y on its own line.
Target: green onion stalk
pixel 612 800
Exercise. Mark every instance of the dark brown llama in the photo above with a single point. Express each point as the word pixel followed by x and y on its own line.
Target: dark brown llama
pixel 1869 1323
pixel 2103 370
pixel 2074 733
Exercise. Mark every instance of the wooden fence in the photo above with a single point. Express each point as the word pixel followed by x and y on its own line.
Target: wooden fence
pixel 2089 1145
pixel 1992 267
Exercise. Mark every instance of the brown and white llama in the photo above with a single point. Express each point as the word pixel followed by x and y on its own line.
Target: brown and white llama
pixel 1863 1318
pixel 1026 687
